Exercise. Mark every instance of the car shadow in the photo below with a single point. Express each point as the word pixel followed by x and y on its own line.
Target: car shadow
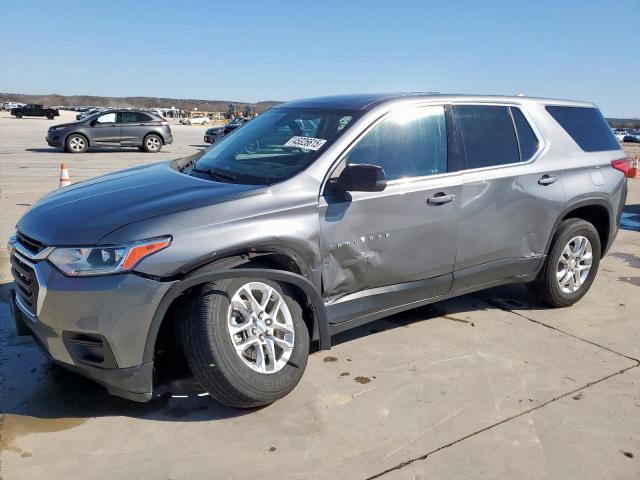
pixel 39 389
pixel 507 297
pixel 90 150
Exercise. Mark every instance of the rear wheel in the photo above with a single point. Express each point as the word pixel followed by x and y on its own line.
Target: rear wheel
pixel 572 264
pixel 152 143
pixel 76 143
pixel 246 341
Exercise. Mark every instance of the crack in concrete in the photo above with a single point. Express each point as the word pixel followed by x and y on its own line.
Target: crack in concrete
pixel 530 410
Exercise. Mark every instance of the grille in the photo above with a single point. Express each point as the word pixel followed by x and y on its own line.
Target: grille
pixel 27 283
pixel 31 245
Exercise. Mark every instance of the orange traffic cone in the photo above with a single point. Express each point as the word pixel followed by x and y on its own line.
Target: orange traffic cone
pixel 634 171
pixel 64 176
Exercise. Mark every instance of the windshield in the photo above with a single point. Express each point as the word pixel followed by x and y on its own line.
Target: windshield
pixel 273 147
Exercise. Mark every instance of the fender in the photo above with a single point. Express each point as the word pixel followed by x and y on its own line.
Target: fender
pixel 249 250
pixel 198 278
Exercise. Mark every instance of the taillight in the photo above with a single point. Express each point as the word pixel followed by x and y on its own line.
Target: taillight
pixel 623 164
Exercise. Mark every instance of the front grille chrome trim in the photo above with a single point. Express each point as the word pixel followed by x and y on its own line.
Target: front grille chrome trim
pixel 42 286
pixel 14 244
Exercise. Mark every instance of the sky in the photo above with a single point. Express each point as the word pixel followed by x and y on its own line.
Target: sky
pixel 282 50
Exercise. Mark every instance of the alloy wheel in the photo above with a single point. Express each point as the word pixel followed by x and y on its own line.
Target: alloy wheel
pixel 260 326
pixel 574 264
pixel 153 143
pixel 77 144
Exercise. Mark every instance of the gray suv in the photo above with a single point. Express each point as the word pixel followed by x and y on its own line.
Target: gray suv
pixel 112 128
pixel 316 217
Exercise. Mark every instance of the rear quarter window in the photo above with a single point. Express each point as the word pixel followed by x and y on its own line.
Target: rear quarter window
pixel 586 126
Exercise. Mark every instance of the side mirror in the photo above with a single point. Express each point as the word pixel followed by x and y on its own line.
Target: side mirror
pixel 93 123
pixel 360 178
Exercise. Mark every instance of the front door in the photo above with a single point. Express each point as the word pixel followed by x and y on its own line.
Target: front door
pixel 105 130
pixel 403 238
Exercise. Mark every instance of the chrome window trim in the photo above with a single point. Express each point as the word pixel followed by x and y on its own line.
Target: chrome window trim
pixel 543 146
pixel 374 124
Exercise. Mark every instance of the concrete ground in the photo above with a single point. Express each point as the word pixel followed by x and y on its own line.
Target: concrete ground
pixel 490 385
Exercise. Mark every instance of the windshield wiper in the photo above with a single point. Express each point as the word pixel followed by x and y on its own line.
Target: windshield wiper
pixel 215 174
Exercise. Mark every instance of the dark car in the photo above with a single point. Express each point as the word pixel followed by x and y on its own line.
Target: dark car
pixel 214 134
pixel 35 110
pixel 113 128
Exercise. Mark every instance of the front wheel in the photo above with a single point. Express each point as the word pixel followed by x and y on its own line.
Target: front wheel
pixel 18 115
pixel 572 264
pixel 152 143
pixel 76 144
pixel 246 341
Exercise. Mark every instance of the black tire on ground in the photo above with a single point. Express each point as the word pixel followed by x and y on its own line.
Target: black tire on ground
pixel 82 142
pixel 50 117
pixel 152 143
pixel 546 285
pixel 214 361
pixel 18 115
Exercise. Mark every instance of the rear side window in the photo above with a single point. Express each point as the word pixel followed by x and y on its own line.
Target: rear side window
pixel 526 138
pixel 488 134
pixel 408 143
pixel 135 117
pixel 587 127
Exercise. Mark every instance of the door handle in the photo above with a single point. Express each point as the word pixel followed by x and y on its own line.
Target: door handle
pixel 440 198
pixel 547 180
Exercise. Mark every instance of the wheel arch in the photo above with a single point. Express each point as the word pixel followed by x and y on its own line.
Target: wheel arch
pixel 153 132
pixel 597 211
pixel 224 269
pixel 84 135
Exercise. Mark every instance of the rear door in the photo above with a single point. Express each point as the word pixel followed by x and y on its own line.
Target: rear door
pixel 33 110
pixel 105 130
pixel 402 239
pixel 133 127
pixel 509 205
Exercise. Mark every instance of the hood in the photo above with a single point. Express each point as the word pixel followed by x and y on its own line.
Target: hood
pixel 83 213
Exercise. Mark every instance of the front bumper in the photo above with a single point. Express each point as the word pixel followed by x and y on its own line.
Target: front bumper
pixel 95 326
pixel 54 140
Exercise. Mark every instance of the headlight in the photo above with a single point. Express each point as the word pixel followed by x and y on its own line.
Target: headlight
pixel 84 261
pixel 59 128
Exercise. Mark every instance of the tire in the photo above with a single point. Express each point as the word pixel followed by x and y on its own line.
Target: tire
pixel 556 285
pixel 49 117
pixel 18 115
pixel 152 143
pixel 229 377
pixel 76 143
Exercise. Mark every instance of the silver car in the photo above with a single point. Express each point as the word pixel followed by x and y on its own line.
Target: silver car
pixel 316 217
